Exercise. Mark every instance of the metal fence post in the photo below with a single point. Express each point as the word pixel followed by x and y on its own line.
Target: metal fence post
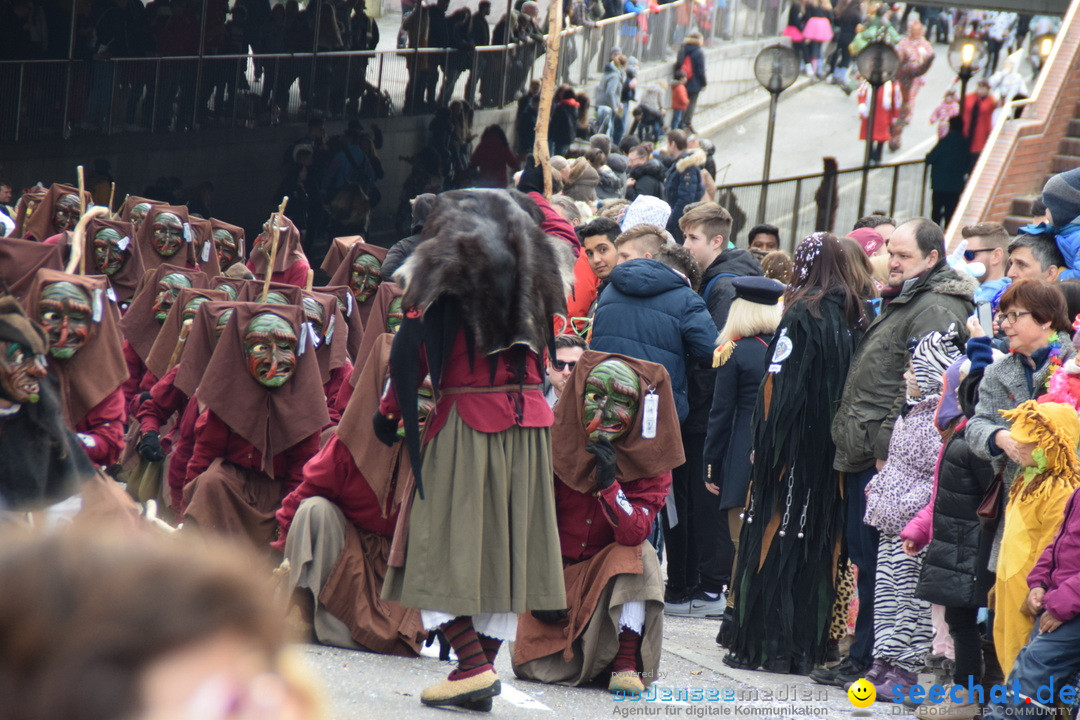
pixel 795 209
pixel 892 195
pixel 922 190
pixel 19 100
pixel 157 89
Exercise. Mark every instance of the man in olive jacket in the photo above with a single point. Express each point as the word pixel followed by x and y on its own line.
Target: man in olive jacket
pixel 924 294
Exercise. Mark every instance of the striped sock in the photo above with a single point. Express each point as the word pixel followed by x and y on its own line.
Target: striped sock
pixel 462 636
pixel 626 657
pixel 491 647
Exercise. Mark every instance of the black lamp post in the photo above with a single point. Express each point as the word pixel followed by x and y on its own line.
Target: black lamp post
pixel 776 68
pixel 877 63
pixel 967 55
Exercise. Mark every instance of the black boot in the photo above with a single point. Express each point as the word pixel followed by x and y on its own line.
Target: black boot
pixel 848 671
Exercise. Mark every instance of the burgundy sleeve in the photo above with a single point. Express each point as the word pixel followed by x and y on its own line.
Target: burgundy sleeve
pixel 104 425
pixel 211 438
pixel 338 379
pixel 136 368
pixel 554 224
pixel 1040 574
pixel 631 508
pixel 321 478
pixel 165 401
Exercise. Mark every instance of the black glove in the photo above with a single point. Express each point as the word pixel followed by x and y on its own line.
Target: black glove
pixel 150 447
pixel 605 462
pixel 144 396
pixel 532 177
pixel 550 617
pixel 385 429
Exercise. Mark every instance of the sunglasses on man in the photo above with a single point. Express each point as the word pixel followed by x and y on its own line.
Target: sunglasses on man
pixel 561 365
pixel 969 255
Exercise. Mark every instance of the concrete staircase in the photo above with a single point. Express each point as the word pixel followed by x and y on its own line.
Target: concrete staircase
pixel 1067 158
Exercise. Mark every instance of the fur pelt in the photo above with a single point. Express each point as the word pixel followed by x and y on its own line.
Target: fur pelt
pixel 484 250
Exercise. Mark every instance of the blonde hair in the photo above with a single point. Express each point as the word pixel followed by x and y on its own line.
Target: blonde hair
pixel 880 264
pixel 746 319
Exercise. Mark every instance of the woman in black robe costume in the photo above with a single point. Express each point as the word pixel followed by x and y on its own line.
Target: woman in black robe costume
pixel 791 537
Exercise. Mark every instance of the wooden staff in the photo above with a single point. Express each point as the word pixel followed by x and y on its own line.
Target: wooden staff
pixel 77 260
pixel 310 280
pixel 112 196
pixel 185 330
pixel 541 154
pixel 274 233
pixel 119 210
pixel 82 191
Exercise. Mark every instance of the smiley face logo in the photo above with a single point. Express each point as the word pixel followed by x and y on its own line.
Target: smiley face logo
pixel 861 693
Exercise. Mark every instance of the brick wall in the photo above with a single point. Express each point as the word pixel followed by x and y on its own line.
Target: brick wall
pixel 1022 156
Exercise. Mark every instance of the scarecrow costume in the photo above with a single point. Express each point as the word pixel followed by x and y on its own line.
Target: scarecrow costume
pixel 86 359
pixel 43 461
pixel 360 267
pixel 1033 514
pixel 612 471
pixel 290 264
pixel 476 544
pixel 154 297
pixel 337 526
pixel 262 413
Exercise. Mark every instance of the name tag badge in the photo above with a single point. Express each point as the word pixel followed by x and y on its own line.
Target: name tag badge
pixel 124 243
pixel 649 411
pixel 99 305
pixel 206 251
pixel 187 232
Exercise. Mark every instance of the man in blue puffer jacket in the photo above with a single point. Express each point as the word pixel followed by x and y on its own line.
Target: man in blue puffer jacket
pixel 650 311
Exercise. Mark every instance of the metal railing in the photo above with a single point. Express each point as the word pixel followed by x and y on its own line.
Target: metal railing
pixel 42 99
pixel 801 205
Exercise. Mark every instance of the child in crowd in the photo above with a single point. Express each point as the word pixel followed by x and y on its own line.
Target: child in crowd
pixel 902 627
pixel 680 99
pixel 949 108
pixel 1048 433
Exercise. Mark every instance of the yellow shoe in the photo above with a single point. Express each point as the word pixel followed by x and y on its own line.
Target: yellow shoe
pixel 627 681
pixel 465 692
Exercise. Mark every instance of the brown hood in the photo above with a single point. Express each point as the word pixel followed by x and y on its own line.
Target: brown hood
pixel 126 279
pixel 335 353
pixel 352 316
pixel 238 233
pixel 384 468
pixel 202 339
pixel 251 291
pixel 98 367
pixel 289 250
pixel 635 456
pixel 339 248
pixel 27 204
pixel 164 347
pixel 343 274
pixel 205 253
pixel 185 256
pixel 273 420
pixel 131 201
pixel 376 320
pixel 139 326
pixel 20 261
pixel 39 226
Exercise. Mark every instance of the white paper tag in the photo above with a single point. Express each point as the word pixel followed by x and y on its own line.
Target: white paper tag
pixel 649 411
pixel 349 303
pixel 312 334
pixel 124 243
pixel 187 232
pixel 206 251
pixel 111 294
pixel 302 345
pixel 99 305
pixel 330 328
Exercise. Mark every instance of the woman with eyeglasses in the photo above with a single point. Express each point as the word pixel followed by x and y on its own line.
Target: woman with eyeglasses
pixel 1033 318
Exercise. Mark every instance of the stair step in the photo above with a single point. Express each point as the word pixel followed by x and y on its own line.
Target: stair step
pixel 1070 146
pixel 1013 223
pixel 1021 206
pixel 1074 128
pixel 1063 163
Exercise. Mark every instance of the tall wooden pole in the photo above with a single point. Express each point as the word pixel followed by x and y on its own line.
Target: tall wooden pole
pixel 541 153
pixel 274 233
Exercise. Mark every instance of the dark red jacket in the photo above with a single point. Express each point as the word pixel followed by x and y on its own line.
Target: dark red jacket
pixel 623 513
pixel 104 425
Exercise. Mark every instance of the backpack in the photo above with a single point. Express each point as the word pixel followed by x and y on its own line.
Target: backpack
pixel 712 281
pixel 687 67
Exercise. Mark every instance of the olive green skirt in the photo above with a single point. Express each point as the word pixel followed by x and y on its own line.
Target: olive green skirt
pixel 484 538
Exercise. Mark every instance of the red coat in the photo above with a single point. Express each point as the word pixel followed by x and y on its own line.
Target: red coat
pixel 295 274
pixel 183 444
pixel 165 401
pixel 623 513
pixel 104 425
pixel 978 135
pixel 136 370
pixel 332 388
pixel 214 439
pixel 887 110
pixel 332 474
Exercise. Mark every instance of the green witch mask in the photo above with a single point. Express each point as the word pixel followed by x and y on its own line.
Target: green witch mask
pixel 222 321
pixel 394 315
pixel 65 314
pixel 270 346
pixel 168 290
pixel 168 234
pixel 315 314
pixel 612 396
pixel 20 373
pixel 228 249
pixel 108 256
pixel 190 308
pixel 66 212
pixel 138 214
pixel 365 277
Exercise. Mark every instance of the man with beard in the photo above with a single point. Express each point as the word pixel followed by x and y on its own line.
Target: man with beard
pixel 616 428
pixel 43 462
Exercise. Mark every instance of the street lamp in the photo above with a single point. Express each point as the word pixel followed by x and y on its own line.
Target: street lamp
pixel 967 55
pixel 776 68
pixel 1040 49
pixel 877 63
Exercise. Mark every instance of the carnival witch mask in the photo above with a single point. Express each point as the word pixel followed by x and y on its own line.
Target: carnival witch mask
pixel 168 290
pixel 316 315
pixel 276 298
pixel 21 371
pixel 394 316
pixel 270 345
pixel 228 249
pixel 222 321
pixel 612 396
pixel 108 254
pixel 189 310
pixel 365 277
pixel 65 314
pixel 66 212
pixel 138 214
pixel 168 234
